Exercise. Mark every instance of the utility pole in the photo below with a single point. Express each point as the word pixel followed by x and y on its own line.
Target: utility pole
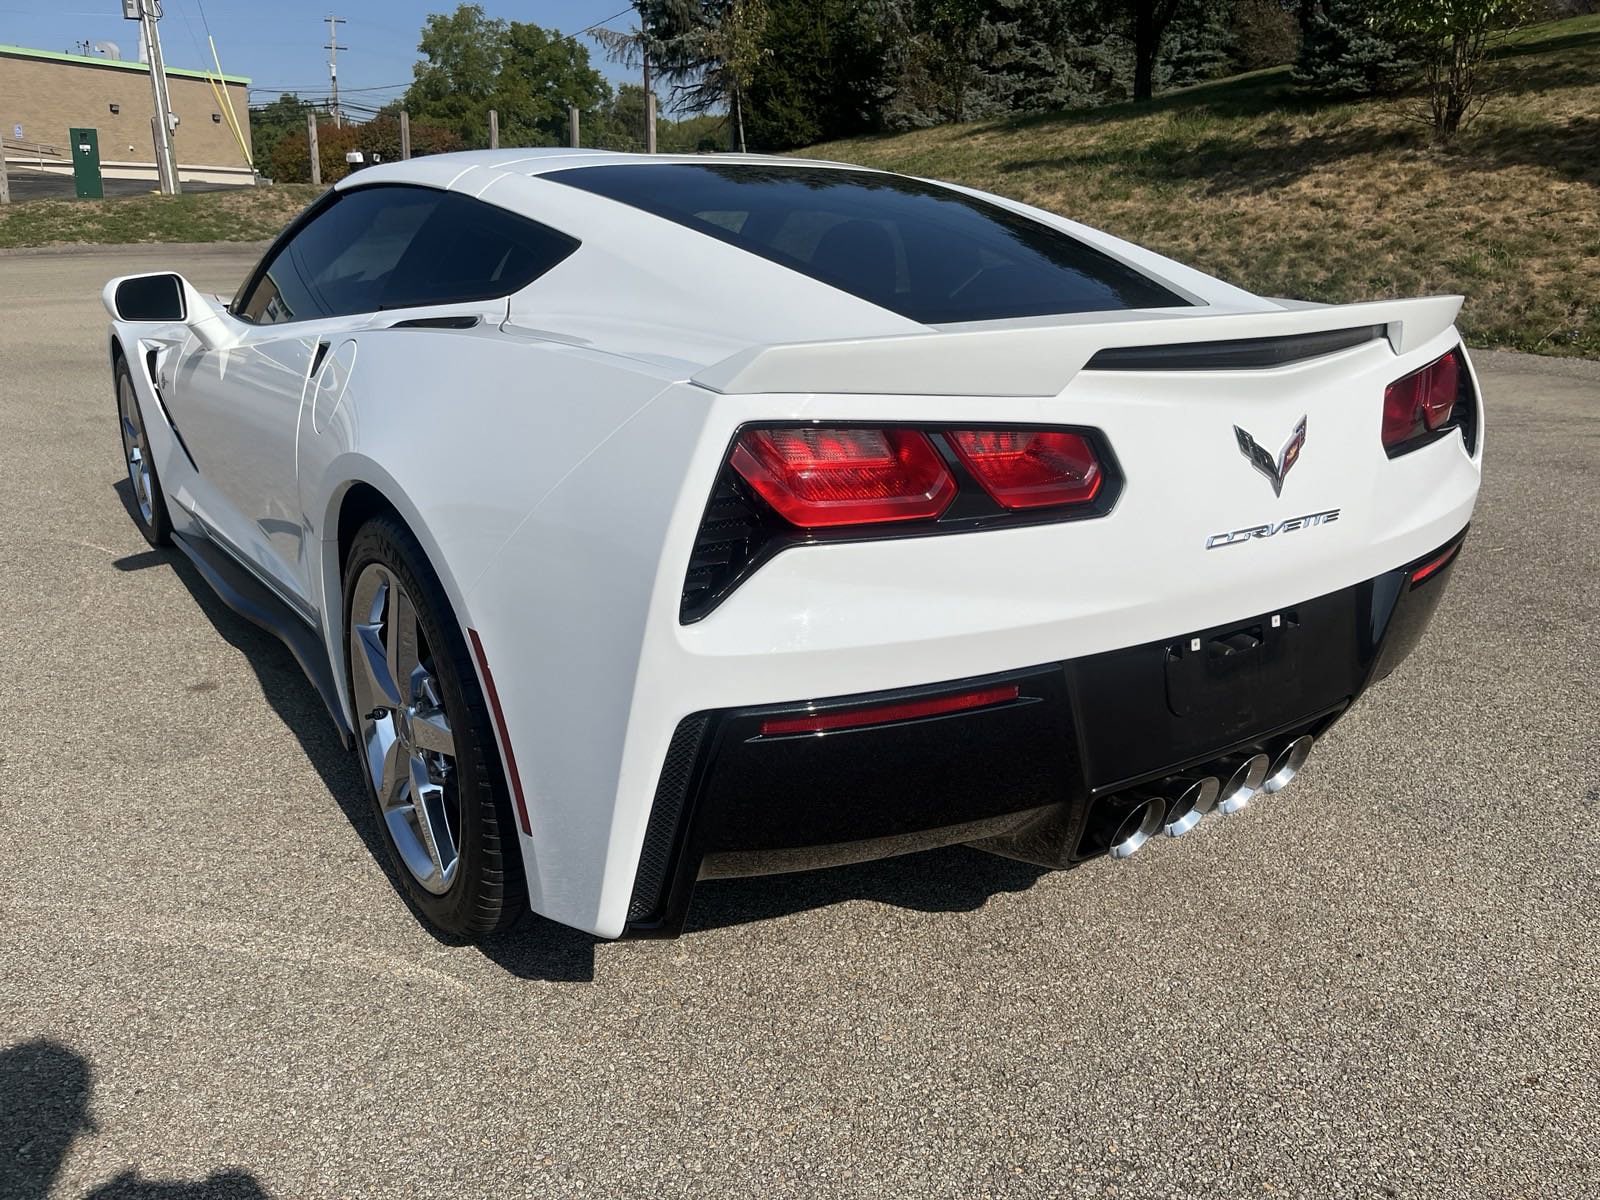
pixel 311 143
pixel 5 183
pixel 333 49
pixel 147 13
pixel 649 104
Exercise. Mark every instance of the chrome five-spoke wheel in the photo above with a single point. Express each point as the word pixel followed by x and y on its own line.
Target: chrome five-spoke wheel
pixel 407 743
pixel 134 450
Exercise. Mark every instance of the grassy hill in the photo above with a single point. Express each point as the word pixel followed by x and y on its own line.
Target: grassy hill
pixel 239 215
pixel 1239 177
pixel 1330 202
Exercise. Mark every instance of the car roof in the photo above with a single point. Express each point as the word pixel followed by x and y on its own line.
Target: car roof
pixel 446 170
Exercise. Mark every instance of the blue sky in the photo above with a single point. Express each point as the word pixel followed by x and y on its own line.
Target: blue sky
pixel 278 43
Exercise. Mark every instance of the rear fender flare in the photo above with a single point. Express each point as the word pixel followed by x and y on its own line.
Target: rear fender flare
pixel 350 471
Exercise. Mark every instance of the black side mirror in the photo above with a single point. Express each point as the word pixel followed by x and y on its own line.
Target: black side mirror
pixel 151 298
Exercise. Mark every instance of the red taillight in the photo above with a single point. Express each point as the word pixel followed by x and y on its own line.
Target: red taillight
pixel 1434 565
pixel 883 714
pixel 1421 402
pixel 1030 468
pixel 818 478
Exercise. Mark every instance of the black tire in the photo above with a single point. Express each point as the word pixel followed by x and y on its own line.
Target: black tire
pixel 152 519
pixel 488 892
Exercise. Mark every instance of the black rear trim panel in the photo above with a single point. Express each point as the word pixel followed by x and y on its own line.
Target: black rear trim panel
pixel 1021 778
pixel 1239 354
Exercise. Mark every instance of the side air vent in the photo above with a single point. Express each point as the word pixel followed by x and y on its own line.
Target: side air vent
pixel 1239 354
pixel 661 835
pixel 459 321
pixel 733 527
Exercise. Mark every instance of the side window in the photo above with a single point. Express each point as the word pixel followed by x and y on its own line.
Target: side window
pixel 342 260
pixel 469 250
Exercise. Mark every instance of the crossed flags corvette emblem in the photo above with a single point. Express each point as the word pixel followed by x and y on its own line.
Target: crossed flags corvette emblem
pixel 1261 460
pixel 1274 469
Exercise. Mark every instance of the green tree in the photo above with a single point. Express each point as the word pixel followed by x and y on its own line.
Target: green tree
pixel 709 51
pixel 528 74
pixel 973 59
pixel 617 123
pixel 270 123
pixel 1197 46
pixel 1351 48
pixel 1262 33
pixel 822 75
pixel 929 53
pixel 1452 38
pixel 1146 22
pixel 1037 56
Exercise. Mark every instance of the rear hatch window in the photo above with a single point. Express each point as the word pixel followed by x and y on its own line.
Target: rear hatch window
pixel 926 252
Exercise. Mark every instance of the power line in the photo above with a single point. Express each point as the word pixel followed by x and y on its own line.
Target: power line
pixel 601 21
pixel 318 89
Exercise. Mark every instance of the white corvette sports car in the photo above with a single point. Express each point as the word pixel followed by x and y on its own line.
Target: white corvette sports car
pixel 643 520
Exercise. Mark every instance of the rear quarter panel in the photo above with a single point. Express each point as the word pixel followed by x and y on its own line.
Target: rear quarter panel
pixel 465 433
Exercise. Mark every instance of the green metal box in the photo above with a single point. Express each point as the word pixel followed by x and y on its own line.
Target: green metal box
pixel 86 164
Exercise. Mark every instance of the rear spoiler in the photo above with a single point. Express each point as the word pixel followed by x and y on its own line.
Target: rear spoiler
pixel 1041 359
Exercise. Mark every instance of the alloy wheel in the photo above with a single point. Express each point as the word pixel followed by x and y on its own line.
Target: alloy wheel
pixel 134 450
pixel 407 743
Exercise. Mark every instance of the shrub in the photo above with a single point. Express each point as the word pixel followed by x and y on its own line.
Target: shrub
pixel 380 137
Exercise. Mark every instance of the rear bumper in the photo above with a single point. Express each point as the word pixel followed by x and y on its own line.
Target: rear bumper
pixel 1026 776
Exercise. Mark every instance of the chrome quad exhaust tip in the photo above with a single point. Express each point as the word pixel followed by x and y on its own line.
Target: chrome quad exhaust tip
pixel 1286 765
pixel 1245 775
pixel 1189 800
pixel 1142 823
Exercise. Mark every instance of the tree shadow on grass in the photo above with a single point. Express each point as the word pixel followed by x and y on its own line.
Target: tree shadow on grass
pixel 1226 164
pixel 1273 158
pixel 45 1094
pixel 1570 148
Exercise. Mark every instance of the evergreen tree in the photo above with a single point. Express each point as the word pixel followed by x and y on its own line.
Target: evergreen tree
pixel 1351 48
pixel 822 76
pixel 1198 45
pixel 1028 56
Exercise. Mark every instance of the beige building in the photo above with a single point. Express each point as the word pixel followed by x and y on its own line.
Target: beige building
pixel 43 95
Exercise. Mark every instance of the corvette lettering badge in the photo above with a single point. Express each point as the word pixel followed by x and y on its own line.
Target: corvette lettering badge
pixel 1290 525
pixel 1275 470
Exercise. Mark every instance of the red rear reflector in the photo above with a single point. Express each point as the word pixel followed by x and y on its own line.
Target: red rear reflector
pixel 1422 401
pixel 817 478
pixel 1434 565
pixel 883 714
pixel 1030 468
pixel 500 727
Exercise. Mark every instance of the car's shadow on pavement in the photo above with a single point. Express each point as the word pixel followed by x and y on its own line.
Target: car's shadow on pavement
pixel 954 879
pixel 45 1094
pixel 951 880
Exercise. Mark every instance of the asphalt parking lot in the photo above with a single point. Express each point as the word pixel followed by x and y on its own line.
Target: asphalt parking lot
pixel 43 185
pixel 1383 982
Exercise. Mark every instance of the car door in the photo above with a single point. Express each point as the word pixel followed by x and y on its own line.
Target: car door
pixel 240 408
